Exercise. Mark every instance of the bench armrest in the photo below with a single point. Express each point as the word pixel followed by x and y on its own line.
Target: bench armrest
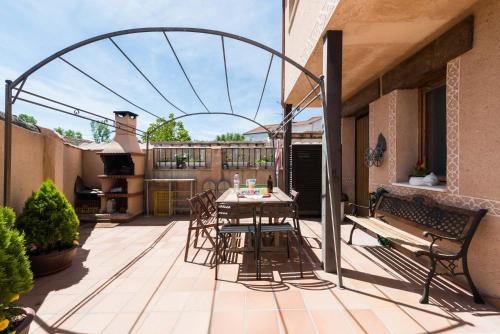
pixel 436 237
pixel 354 207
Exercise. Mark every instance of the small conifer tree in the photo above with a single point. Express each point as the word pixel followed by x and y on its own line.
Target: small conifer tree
pixel 15 272
pixel 48 221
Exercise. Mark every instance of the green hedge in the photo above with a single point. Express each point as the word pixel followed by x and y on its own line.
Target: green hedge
pixel 48 221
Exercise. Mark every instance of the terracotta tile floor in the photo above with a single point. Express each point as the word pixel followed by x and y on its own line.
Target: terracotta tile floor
pixel 132 278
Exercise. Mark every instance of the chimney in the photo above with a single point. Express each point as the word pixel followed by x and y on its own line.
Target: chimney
pixel 125 140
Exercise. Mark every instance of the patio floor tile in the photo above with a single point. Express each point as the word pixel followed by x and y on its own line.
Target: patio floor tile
pixel 133 279
pixel 262 322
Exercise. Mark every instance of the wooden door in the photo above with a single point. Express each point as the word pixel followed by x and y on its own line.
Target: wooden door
pixel 305 177
pixel 362 143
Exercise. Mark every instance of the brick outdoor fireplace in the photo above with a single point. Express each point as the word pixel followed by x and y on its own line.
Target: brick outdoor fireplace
pixel 123 179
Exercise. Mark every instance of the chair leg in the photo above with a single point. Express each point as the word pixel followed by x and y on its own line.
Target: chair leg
pixel 258 243
pixel 186 251
pixel 196 233
pixel 299 237
pixel 354 226
pixel 430 275
pixel 288 244
pixel 477 297
pixel 216 255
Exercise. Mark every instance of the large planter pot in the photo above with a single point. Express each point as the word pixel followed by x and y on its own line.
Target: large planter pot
pixel 24 326
pixel 53 262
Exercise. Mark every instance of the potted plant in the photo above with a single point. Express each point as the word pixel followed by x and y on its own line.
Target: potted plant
pixel 421 176
pixel 15 276
pixel 259 163
pixel 50 228
pixel 180 161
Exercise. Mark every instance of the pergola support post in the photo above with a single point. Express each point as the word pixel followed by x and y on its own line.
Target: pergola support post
pixel 287 142
pixel 332 148
pixel 7 149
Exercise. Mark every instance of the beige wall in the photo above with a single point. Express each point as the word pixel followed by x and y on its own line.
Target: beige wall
pixel 27 157
pixel 473 142
pixel 479 87
pixel 36 157
pixel 92 166
pixel 72 167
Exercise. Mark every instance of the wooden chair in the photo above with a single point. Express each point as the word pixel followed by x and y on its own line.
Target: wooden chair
pixel 200 220
pixel 283 211
pixel 209 204
pixel 228 214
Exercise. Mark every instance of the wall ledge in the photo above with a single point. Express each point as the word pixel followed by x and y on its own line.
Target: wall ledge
pixel 438 188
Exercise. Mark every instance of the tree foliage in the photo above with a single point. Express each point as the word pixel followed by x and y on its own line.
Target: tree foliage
pixel 167 130
pixel 100 132
pixel 68 133
pixel 27 119
pixel 230 137
pixel 15 272
pixel 48 221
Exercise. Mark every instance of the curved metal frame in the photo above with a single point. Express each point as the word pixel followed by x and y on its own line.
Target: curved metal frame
pixel 56 55
pixel 21 80
pixel 166 121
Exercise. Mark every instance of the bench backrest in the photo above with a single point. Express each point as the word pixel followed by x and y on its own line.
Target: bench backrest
pixel 449 221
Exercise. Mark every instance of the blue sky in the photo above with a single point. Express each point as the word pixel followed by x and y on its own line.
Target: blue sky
pixel 32 30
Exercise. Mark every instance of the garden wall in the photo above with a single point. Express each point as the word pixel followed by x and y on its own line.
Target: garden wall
pixel 37 156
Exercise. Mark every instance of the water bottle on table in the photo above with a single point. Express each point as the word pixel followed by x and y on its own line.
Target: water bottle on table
pixel 236 182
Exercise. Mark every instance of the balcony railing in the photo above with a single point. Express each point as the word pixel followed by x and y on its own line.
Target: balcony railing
pixel 247 157
pixel 181 157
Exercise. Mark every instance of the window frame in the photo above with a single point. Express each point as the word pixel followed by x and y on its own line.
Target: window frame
pixel 422 118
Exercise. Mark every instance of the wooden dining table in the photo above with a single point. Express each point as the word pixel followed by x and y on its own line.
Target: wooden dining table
pixel 230 197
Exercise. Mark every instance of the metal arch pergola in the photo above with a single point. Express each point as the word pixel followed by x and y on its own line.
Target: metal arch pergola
pixel 13 89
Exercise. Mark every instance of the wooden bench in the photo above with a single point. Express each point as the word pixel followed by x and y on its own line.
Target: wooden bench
pixel 438 222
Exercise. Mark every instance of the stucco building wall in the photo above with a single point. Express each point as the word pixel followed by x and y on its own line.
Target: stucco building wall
pixel 473 141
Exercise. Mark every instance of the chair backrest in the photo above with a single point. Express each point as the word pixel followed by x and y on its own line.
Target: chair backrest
pixel 207 202
pixel 278 210
pixel 212 196
pixel 225 211
pixel 195 206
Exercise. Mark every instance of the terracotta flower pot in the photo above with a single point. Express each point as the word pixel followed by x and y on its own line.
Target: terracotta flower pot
pixel 24 326
pixel 53 262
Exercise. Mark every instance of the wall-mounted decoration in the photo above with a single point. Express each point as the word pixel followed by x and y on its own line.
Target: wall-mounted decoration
pixel 375 156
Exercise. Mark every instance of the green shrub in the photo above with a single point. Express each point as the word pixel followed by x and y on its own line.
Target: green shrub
pixel 15 272
pixel 48 221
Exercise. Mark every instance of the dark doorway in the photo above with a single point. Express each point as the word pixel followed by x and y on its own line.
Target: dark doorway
pixel 305 177
pixel 362 143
